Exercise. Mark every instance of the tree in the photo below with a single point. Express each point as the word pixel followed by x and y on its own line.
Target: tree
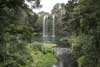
pixel 15 34
pixel 83 22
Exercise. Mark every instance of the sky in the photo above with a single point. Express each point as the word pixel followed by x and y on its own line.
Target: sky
pixel 47 5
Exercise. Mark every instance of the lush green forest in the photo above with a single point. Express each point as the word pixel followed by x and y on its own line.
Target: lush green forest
pixel 77 28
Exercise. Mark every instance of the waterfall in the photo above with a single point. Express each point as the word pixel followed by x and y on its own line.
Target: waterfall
pixel 53 26
pixel 64 55
pixel 46 31
pixel 45 27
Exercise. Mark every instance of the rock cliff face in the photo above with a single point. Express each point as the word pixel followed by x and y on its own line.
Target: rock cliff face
pixel 65 57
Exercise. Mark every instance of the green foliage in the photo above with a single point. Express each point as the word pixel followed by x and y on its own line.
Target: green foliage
pixel 26 55
pixel 16 31
pixel 44 60
pixel 85 61
pixel 43 56
pixel 82 21
pixel 15 56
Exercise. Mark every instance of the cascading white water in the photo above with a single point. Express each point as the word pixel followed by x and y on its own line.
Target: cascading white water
pixel 46 32
pixel 45 27
pixel 63 54
pixel 53 26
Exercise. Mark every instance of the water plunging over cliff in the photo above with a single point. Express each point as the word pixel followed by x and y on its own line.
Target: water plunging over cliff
pixel 64 55
pixel 46 31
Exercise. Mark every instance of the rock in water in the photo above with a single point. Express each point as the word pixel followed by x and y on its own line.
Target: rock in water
pixel 64 56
